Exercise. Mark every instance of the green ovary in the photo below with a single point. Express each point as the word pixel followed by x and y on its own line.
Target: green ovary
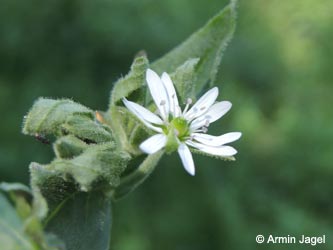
pixel 177 131
pixel 181 127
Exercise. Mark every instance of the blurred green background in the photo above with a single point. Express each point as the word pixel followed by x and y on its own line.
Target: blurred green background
pixel 277 72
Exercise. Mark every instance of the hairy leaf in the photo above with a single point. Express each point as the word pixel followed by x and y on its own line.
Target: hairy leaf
pixel 207 44
pixel 184 78
pixel 133 81
pixel 68 147
pixel 62 117
pixel 46 115
pixel 101 162
pixel 83 221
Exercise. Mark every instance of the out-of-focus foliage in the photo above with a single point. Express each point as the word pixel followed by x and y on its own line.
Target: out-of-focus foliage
pixel 276 72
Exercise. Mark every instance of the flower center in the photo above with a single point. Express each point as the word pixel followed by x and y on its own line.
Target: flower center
pixel 180 126
pixel 177 131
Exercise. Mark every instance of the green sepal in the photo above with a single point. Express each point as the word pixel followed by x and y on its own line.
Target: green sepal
pixel 172 142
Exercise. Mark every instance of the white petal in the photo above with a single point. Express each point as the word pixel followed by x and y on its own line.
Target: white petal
pixel 214 141
pixel 153 144
pixel 214 113
pixel 186 157
pixel 173 100
pixel 147 117
pixel 158 93
pixel 203 104
pixel 142 112
pixel 218 151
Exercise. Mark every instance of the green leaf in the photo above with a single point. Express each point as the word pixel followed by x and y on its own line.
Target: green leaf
pixel 12 235
pixel 101 162
pixel 62 117
pixel 139 175
pixel 208 44
pixel 184 78
pixel 83 221
pixel 46 116
pixel 68 147
pixel 133 81
pixel 87 129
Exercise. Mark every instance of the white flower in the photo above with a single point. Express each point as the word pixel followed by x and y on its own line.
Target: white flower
pixel 177 129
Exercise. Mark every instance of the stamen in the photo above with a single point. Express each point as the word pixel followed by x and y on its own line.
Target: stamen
pixel 203 130
pixel 207 123
pixel 188 103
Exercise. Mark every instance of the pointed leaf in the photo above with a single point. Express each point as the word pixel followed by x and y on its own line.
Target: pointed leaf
pixel 207 44
pixel 46 115
pixel 133 81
